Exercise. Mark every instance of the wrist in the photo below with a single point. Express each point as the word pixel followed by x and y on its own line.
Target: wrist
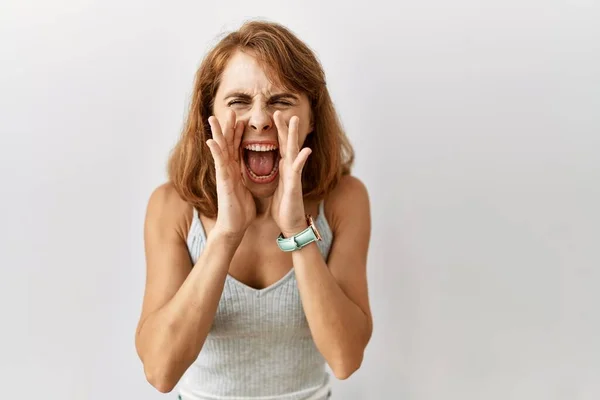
pixel 299 237
pixel 289 232
pixel 226 238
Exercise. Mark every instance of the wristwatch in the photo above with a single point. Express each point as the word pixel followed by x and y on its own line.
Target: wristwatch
pixel 299 240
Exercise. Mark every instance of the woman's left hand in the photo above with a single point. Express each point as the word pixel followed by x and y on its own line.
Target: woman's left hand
pixel 288 202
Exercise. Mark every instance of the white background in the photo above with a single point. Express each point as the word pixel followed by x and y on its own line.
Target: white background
pixel 477 131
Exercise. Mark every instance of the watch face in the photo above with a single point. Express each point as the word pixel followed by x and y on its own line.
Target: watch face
pixel 310 221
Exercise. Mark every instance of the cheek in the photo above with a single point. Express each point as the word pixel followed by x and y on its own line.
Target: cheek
pixel 304 117
pixel 304 129
pixel 220 114
pixel 307 121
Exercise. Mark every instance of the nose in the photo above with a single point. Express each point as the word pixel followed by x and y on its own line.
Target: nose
pixel 260 120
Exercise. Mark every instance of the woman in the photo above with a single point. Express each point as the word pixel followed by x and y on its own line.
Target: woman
pixel 256 247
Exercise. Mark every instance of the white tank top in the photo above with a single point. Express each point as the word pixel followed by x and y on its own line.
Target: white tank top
pixel 260 346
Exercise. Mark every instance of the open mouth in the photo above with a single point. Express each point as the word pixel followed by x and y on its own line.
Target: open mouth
pixel 262 162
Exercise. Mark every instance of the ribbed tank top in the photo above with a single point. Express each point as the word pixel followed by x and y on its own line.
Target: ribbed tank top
pixel 259 346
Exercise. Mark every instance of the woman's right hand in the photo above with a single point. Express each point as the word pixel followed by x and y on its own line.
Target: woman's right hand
pixel 236 206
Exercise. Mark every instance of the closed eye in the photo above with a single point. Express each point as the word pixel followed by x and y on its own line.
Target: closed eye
pixel 283 103
pixel 233 102
pixel 278 102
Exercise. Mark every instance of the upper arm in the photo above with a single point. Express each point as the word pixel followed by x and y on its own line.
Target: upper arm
pixel 167 258
pixel 349 210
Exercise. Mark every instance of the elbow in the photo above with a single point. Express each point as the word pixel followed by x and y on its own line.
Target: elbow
pixel 346 361
pixel 160 374
pixel 344 371
pixel 159 379
pixel 156 375
pixel 346 366
pixel 160 369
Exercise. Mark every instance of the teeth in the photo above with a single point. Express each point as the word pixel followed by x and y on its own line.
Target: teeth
pixel 261 147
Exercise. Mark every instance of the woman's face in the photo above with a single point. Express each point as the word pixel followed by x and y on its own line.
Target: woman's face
pixel 246 90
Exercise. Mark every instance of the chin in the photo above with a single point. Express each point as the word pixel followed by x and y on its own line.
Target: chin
pixel 261 191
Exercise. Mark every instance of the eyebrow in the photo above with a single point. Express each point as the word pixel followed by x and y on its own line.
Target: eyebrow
pixel 276 96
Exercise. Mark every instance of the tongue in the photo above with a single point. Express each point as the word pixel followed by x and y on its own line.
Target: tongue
pixel 261 162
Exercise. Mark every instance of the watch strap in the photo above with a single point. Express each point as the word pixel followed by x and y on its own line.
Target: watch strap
pixel 299 240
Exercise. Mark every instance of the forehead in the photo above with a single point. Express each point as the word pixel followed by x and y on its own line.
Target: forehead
pixel 243 72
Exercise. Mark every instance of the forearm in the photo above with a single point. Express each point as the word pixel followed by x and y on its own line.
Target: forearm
pixel 171 338
pixel 340 328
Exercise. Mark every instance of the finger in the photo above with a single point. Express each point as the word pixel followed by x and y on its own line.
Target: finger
pixel 218 137
pixel 292 139
pixel 282 132
pixel 229 133
pixel 301 160
pixel 239 130
pixel 217 154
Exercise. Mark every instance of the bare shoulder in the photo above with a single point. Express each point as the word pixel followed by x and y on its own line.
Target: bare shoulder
pixel 348 201
pixel 348 187
pixel 168 212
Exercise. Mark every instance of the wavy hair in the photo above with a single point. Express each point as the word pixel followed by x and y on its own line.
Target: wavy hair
pixel 288 62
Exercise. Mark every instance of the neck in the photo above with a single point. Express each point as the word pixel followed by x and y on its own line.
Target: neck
pixel 263 207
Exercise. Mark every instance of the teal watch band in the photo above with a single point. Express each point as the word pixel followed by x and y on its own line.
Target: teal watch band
pixel 299 240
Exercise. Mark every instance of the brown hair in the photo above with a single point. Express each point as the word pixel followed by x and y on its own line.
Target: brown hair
pixel 288 62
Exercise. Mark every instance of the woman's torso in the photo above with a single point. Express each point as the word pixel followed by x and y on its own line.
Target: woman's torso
pixel 259 345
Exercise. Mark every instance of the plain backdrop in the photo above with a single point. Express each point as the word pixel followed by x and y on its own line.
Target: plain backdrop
pixel 477 132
